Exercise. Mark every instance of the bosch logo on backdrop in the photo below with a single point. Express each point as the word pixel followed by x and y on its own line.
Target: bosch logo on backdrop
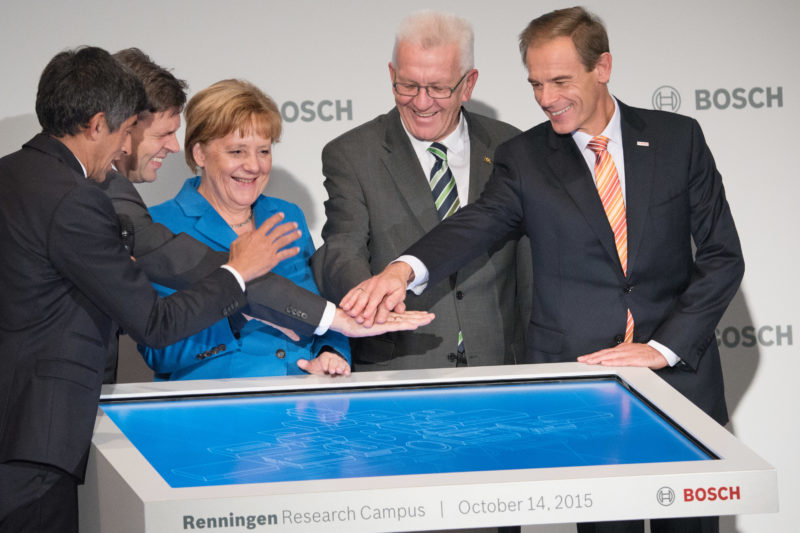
pixel 667 98
pixel 749 336
pixel 324 110
pixel 739 98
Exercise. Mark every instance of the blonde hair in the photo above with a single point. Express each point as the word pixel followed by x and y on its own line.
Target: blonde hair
pixel 225 107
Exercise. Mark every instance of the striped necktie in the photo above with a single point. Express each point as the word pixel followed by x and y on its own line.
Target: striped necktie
pixel 443 184
pixel 610 191
pixel 445 196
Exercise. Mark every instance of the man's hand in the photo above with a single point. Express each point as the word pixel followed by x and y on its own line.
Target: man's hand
pixel 325 363
pixel 374 299
pixel 407 320
pixel 626 354
pixel 255 253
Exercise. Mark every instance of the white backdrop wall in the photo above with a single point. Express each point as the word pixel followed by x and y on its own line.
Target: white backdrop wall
pixel 731 65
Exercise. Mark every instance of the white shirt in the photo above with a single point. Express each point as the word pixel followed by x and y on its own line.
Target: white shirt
pixel 457 144
pixel 614 133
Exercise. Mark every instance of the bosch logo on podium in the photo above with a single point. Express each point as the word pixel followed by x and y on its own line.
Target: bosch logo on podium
pixel 710 494
pixel 665 496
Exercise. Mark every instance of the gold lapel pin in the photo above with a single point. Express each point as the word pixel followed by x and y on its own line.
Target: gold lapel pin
pixel 487 160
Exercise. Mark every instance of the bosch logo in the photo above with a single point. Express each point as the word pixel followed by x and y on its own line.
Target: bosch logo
pixel 666 98
pixel 665 496
pixel 711 494
pixel 739 98
pixel 749 336
pixel 324 110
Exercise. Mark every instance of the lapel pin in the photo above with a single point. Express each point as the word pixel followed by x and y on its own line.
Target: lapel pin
pixel 642 143
pixel 487 160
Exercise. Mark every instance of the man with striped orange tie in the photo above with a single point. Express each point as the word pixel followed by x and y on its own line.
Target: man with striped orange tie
pixel 612 198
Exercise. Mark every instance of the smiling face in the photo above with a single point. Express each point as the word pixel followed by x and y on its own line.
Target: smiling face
pixel 153 138
pixel 234 169
pixel 109 146
pixel 426 118
pixel 571 97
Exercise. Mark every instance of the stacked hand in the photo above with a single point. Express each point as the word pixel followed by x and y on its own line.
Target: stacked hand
pixel 394 321
pixel 373 300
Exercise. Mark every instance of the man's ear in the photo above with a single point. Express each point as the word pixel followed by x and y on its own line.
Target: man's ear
pixel 603 67
pixel 95 126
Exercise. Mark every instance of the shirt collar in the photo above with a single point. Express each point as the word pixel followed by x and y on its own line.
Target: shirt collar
pixel 613 131
pixel 455 142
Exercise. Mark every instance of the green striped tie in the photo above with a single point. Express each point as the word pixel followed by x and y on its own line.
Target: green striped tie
pixel 443 184
pixel 445 196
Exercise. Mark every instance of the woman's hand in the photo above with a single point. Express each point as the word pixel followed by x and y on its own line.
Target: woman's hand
pixel 329 363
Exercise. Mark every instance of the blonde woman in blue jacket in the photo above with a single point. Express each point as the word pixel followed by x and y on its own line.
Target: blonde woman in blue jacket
pixel 230 129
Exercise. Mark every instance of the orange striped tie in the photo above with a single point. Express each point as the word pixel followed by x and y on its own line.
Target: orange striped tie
pixel 608 187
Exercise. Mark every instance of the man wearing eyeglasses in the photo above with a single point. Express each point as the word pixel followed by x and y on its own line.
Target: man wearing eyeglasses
pixel 394 178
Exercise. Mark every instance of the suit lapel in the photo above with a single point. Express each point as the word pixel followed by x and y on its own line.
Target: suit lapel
pixel 402 165
pixel 639 175
pixel 569 167
pixel 480 159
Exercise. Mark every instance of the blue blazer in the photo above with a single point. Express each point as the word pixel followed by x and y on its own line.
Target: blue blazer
pixel 257 349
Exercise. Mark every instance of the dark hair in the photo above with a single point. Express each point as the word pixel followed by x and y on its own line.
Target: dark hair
pixel 77 84
pixel 164 91
pixel 586 30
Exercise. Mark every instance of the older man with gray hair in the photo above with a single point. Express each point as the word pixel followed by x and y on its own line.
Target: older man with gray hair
pixel 394 178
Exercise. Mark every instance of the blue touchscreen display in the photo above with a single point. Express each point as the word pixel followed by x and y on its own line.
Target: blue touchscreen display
pixel 390 432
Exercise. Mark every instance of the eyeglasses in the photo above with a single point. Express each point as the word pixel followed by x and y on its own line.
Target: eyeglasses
pixel 434 91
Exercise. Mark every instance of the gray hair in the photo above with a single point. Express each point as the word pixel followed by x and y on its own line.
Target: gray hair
pixel 429 29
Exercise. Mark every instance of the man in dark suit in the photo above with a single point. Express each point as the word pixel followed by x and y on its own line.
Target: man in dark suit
pixel 66 279
pixel 632 294
pixel 380 201
pixel 64 275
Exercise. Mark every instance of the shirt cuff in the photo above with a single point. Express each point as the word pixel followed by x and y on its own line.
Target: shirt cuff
pixel 420 281
pixel 669 355
pixel 326 320
pixel 236 275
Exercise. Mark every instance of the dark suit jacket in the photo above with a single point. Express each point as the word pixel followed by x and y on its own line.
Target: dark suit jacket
pixel 675 197
pixel 65 277
pixel 379 203
pixel 178 261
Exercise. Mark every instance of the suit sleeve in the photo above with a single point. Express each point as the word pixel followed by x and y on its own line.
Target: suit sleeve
pixel 190 351
pixel 85 247
pixel 175 261
pixel 342 262
pixel 718 266
pixel 303 276
pixel 474 228
pixel 178 261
